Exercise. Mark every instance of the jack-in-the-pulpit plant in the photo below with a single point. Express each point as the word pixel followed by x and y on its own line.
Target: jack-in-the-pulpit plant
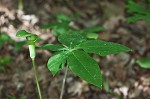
pixel 31 39
pixel 73 51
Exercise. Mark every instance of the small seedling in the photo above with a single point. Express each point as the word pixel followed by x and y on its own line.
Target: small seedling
pixel 60 27
pixel 63 26
pixel 31 39
pixel 74 48
pixel 138 11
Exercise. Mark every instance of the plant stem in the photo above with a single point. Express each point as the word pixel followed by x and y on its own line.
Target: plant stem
pixel 20 5
pixel 63 84
pixel 36 78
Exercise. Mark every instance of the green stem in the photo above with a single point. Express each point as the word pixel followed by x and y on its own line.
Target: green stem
pixel 36 78
pixel 20 5
pixel 63 84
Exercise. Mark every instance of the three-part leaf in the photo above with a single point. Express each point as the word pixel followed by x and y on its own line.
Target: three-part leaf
pixel 85 67
pixel 102 48
pixel 79 61
pixel 75 48
pixel 56 62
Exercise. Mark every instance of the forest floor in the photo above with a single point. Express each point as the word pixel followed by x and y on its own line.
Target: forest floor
pixel 123 78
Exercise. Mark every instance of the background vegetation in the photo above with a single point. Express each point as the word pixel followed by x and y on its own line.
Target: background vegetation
pixel 123 78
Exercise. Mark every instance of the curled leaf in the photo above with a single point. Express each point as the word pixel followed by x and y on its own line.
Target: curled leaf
pixel 31 38
pixel 23 33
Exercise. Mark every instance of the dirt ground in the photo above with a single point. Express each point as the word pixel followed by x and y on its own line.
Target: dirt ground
pixel 126 80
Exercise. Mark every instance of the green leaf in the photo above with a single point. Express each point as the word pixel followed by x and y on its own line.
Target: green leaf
pixel 50 25
pixel 139 12
pixel 92 35
pixel 2 67
pixel 23 33
pixel 4 38
pixel 106 84
pixel 144 63
pixel 18 45
pixel 59 30
pixel 90 32
pixel 71 40
pixel 102 48
pixel 92 29
pixel 31 38
pixel 5 60
pixel 56 62
pixel 62 29
pixel 58 27
pixel 63 18
pixel 136 8
pixel 53 47
pixel 135 18
pixel 85 67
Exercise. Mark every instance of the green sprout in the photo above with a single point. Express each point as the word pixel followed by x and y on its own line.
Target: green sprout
pixel 31 39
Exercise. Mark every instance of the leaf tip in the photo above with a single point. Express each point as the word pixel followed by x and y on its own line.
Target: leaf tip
pixel 18 34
